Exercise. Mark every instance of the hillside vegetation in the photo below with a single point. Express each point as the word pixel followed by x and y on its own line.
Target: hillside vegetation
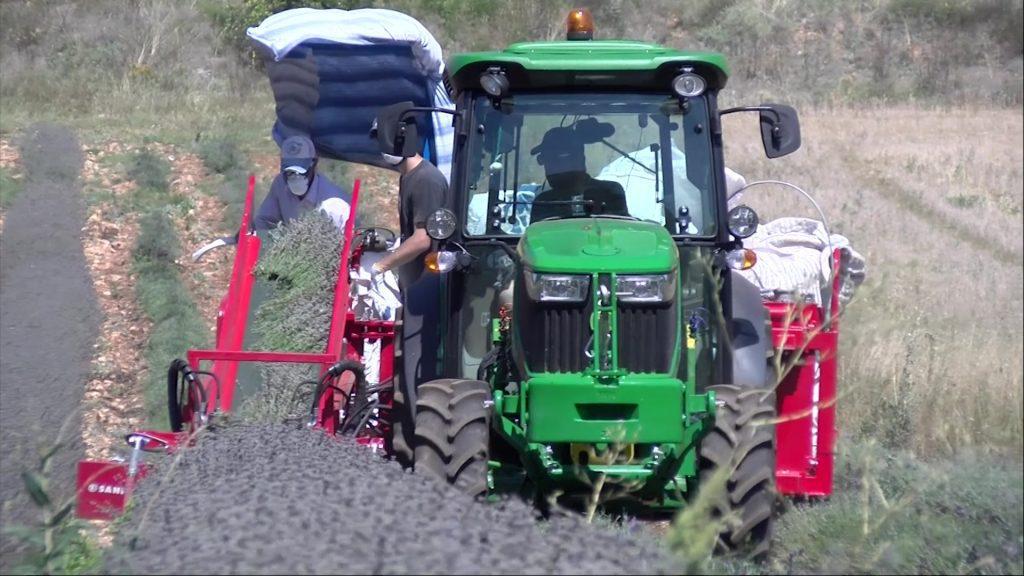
pixel 184 68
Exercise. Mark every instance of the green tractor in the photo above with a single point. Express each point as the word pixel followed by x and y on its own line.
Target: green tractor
pixel 598 343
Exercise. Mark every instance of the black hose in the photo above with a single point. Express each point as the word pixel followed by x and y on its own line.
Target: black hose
pixel 173 400
pixel 300 388
pixel 333 373
pixel 369 409
pixel 179 371
pixel 216 382
pixel 489 359
pixel 355 412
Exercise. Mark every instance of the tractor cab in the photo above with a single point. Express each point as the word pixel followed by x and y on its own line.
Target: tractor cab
pixel 588 156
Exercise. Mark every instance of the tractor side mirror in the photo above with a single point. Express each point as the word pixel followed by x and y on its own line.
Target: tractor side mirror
pixel 780 127
pixel 780 130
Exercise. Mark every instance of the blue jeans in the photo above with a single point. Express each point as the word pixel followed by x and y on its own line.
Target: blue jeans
pixel 420 337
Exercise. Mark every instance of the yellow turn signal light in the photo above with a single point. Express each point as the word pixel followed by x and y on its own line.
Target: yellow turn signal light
pixel 579 25
pixel 440 261
pixel 741 259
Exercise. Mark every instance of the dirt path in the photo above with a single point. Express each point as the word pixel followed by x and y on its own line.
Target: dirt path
pixel 48 319
pixel 112 403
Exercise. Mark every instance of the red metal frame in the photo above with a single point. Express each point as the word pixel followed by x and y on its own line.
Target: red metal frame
pixel 805 436
pixel 104 487
pixel 358 333
pixel 234 314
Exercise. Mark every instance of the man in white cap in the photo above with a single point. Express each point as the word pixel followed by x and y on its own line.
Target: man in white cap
pixel 298 188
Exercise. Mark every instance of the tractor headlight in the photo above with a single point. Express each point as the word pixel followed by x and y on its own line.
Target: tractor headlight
pixel 743 221
pixel 647 288
pixel 557 287
pixel 688 85
pixel 441 224
pixel 494 82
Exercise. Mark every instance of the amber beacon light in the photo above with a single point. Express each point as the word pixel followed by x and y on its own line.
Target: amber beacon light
pixel 579 25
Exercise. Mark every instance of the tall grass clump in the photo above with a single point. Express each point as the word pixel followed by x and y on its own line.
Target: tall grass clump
pixel 300 267
pixel 695 530
pixel 893 513
pixel 58 543
pixel 117 66
pixel 168 304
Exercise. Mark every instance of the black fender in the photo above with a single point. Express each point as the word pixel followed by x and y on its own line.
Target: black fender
pixel 748 334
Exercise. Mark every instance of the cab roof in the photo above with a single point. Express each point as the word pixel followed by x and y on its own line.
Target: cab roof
pixel 579 64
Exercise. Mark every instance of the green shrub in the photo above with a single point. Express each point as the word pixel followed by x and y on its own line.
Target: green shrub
pixel 9 187
pixel 232 18
pixel 966 200
pixel 221 155
pixel 166 301
pixel 157 241
pixel 231 191
pixel 149 171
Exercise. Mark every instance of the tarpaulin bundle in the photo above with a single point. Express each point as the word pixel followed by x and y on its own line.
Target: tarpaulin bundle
pixel 794 261
pixel 332 70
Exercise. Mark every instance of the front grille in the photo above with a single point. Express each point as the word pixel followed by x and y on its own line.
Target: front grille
pixel 646 337
pixel 565 335
pixel 553 335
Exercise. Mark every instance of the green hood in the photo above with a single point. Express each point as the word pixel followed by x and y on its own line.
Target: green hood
pixel 588 245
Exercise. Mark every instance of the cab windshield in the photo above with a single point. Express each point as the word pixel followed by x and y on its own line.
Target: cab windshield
pixel 547 156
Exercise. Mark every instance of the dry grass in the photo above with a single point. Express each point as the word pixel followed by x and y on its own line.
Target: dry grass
pixel 932 346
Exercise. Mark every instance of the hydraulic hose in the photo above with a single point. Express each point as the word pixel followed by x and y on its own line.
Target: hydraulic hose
pixel 179 373
pixel 366 408
pixel 490 359
pixel 332 374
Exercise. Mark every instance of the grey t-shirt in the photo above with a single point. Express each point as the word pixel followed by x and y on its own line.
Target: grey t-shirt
pixel 281 206
pixel 421 192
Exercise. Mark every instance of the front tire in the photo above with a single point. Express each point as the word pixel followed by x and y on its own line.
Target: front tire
pixel 452 432
pixel 742 445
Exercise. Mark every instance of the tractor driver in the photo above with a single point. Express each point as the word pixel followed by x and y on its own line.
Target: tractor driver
pixel 299 188
pixel 572 192
pixel 422 190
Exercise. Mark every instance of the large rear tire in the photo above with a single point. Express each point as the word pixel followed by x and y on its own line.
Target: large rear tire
pixel 742 442
pixel 401 431
pixel 452 432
